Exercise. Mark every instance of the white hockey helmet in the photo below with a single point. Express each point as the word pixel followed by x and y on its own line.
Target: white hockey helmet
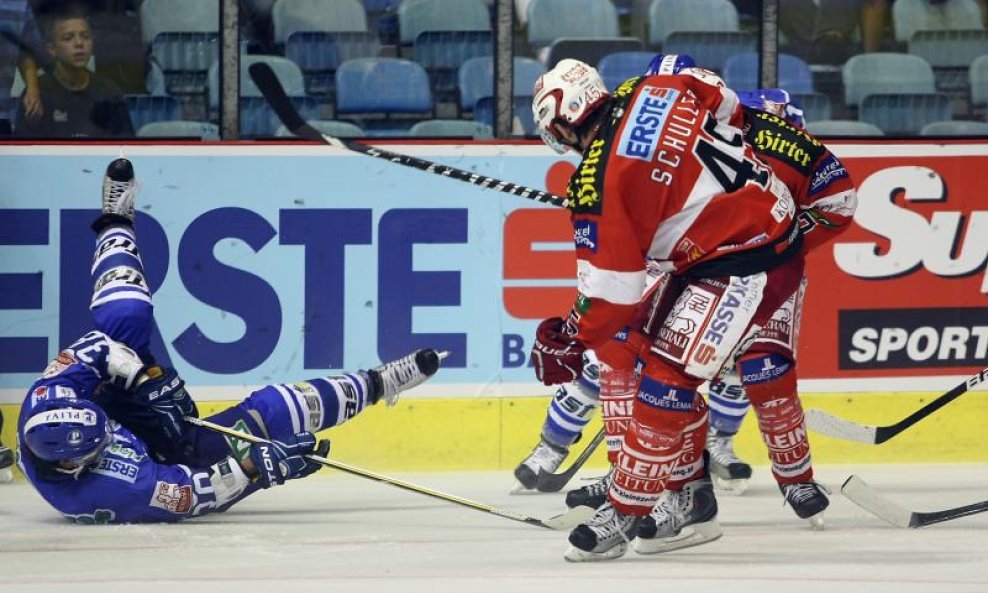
pixel 566 95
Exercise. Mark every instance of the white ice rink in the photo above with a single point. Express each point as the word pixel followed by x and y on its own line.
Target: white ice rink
pixel 337 533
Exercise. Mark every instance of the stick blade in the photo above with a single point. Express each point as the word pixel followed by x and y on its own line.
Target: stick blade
pixel 860 493
pixel 839 428
pixel 570 519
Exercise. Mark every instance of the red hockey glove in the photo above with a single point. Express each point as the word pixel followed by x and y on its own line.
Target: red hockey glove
pixel 557 357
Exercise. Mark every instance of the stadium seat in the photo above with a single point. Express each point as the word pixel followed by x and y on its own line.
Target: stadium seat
pixel 842 127
pixel 319 54
pixel 258 120
pixel 669 16
pixel 145 109
pixel 904 113
pixel 524 123
pixel 590 50
pixel 451 128
pixel 978 79
pixel 327 16
pixel 710 49
pixel 476 79
pixel 910 16
pixel 330 127
pixel 549 20
pixel 366 88
pixel 879 72
pixel 955 128
pixel 816 106
pixel 179 129
pixel 178 16
pixel 416 16
pixel 741 73
pixel 287 72
pixel 184 59
pixel 442 53
pixel 620 66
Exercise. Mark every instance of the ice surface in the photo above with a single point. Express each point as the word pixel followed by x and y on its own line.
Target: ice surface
pixel 336 533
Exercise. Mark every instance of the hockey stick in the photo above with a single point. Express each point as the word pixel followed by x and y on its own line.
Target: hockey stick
pixel 555 482
pixel 840 428
pixel 869 499
pixel 269 85
pixel 567 520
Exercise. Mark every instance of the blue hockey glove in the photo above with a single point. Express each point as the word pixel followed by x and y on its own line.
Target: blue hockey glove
pixel 163 394
pixel 278 461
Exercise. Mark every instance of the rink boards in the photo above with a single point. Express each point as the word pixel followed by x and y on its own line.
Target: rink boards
pixel 279 262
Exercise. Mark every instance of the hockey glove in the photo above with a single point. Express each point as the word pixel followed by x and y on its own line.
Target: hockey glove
pixel 277 461
pixel 557 357
pixel 163 393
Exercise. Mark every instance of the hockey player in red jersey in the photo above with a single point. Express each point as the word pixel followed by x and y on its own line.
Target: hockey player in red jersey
pixel 666 179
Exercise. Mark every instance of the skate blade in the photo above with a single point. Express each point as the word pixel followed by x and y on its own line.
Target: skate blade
pixel 818 522
pixel 570 519
pixel 6 475
pixel 574 554
pixel 691 535
pixel 520 488
pixel 443 354
pixel 732 487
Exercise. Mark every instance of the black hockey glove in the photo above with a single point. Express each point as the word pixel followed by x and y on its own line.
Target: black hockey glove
pixel 278 461
pixel 163 394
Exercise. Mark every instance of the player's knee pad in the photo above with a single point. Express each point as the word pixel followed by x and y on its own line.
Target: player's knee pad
pixel 617 398
pixel 570 411
pixel 767 376
pixel 728 403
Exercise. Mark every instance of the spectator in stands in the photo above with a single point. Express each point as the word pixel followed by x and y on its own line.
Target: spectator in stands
pixel 19 43
pixel 78 103
pixel 822 31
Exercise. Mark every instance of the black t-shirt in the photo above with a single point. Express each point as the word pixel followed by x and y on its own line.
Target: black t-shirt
pixel 98 111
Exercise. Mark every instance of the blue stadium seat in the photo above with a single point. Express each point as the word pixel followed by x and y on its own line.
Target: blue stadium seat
pixel 145 109
pixel 330 127
pixel 880 72
pixel 476 79
pixel 843 127
pixel 620 66
pixel 184 59
pixel 524 122
pixel 955 128
pixel 816 106
pixel 910 16
pixel 452 128
pixel 549 20
pixel 179 129
pixel 258 120
pixel 978 79
pixel 416 16
pixel 710 49
pixel 178 16
pixel 904 113
pixel 289 74
pixel 741 73
pixel 382 86
pixel 319 54
pixel 327 16
pixel 670 16
pixel 590 50
pixel 442 53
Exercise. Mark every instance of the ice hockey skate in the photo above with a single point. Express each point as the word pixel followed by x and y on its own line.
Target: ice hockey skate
pixel 119 189
pixel 390 379
pixel 729 472
pixel 808 500
pixel 604 537
pixel 680 519
pixel 545 458
pixel 592 495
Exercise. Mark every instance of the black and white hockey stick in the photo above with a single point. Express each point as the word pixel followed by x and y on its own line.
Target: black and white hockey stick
pixel 269 85
pixel 555 482
pixel 860 493
pixel 840 428
pixel 565 521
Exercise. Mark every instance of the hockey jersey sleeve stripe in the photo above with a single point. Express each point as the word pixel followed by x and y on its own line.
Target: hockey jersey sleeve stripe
pixel 620 288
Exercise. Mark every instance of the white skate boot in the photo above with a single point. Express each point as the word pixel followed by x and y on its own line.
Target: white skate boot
pixel 680 519
pixel 119 189
pixel 729 472
pixel 604 536
pixel 544 458
pixel 390 379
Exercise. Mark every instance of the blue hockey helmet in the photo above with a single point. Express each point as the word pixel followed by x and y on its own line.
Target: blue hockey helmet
pixel 69 431
pixel 778 102
pixel 669 64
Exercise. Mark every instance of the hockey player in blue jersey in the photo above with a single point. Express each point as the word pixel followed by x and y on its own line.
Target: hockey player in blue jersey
pixel 101 434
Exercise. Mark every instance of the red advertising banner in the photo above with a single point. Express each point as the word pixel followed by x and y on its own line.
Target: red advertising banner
pixel 903 293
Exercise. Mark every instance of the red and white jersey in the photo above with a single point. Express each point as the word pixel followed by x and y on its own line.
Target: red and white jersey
pixel 818 181
pixel 669 181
